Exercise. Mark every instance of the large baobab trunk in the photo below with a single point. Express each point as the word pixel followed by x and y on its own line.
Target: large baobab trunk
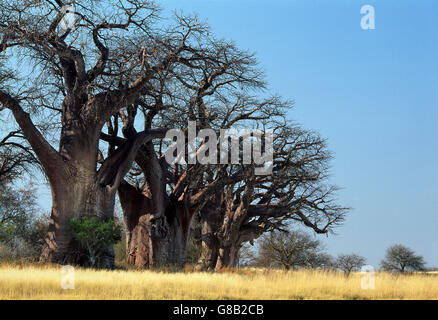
pixel 72 197
pixel 215 253
pixel 228 256
pixel 224 230
pixel 210 223
pixel 150 247
pixel 152 240
pixel 78 190
pixel 68 200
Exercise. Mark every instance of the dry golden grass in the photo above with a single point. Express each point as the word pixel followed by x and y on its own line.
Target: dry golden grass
pixel 44 282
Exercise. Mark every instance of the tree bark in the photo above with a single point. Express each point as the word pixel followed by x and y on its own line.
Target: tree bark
pixel 151 240
pixel 75 198
pixel 228 257
pixel 211 221
pixel 210 248
pixel 80 190
pixel 77 191
pixel 71 174
pixel 224 230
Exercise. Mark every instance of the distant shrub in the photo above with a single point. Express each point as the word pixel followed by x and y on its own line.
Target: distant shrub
pixel 18 250
pixel 399 258
pixel 26 246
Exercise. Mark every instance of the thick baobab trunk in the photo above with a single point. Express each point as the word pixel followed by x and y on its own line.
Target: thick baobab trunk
pixel 74 199
pixel 215 254
pixel 76 192
pixel 149 247
pixel 229 236
pixel 228 257
pixel 224 231
pixel 153 241
pixel 210 223
pixel 79 190
pixel 209 253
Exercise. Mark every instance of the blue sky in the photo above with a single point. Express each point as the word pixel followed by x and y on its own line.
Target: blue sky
pixel 372 93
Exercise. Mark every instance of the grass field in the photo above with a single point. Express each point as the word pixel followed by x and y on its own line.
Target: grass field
pixel 44 282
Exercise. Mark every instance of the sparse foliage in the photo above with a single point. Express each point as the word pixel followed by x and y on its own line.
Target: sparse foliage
pixel 291 250
pixel 401 259
pixel 22 230
pixel 349 262
pixel 17 211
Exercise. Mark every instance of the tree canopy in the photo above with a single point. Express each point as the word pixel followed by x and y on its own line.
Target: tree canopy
pixel 105 80
pixel 401 259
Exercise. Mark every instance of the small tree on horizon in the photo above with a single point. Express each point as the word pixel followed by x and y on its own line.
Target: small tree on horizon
pixel 400 258
pixel 349 262
pixel 291 250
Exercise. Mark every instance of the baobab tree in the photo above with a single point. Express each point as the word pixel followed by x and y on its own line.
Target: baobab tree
pixel 83 73
pixel 235 206
pixel 188 94
pixel 114 61
pixel 296 191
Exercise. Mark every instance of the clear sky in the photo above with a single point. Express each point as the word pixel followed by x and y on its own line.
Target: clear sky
pixel 372 93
